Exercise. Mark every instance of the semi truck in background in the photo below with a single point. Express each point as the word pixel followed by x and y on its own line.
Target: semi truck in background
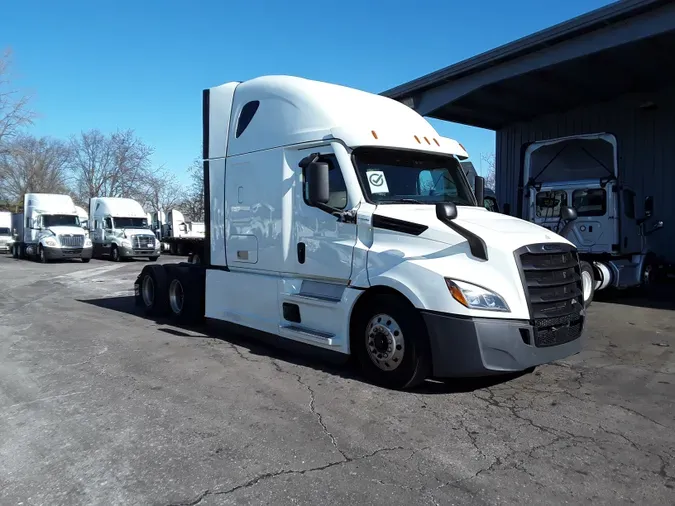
pixel 119 230
pixel 6 238
pixel 179 236
pixel 49 228
pixel 84 219
pixel 346 223
pixel 612 229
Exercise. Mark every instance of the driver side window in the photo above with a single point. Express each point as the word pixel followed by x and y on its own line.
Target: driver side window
pixel 108 223
pixel 336 184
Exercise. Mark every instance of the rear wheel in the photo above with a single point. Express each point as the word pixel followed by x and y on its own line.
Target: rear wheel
pixel 391 343
pixel 185 295
pixel 587 283
pixel 152 294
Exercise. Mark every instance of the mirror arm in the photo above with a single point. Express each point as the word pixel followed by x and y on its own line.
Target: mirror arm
pixel 476 243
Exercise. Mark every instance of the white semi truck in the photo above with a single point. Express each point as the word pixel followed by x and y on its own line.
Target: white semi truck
pixel 84 218
pixel 612 229
pixel 6 238
pixel 178 235
pixel 48 229
pixel 119 229
pixel 340 219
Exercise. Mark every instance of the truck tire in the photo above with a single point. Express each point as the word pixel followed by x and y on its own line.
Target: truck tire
pixel 587 282
pixel 153 259
pixel 185 295
pixel 85 260
pixel 42 257
pixel 152 294
pixel 115 254
pixel 391 343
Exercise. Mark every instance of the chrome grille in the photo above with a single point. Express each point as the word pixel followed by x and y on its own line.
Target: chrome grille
pixel 71 241
pixel 552 279
pixel 143 242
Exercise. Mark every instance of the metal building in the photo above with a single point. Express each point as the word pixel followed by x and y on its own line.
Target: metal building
pixel 611 70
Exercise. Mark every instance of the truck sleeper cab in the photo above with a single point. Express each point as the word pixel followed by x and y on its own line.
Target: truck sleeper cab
pixel 120 230
pixel 342 220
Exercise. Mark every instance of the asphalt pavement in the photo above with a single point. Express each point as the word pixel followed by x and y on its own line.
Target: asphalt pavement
pixel 99 405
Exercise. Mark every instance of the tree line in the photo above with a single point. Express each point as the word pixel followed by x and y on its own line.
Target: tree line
pixel 89 164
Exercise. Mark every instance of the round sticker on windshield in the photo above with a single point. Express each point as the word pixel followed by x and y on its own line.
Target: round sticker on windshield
pixel 377 182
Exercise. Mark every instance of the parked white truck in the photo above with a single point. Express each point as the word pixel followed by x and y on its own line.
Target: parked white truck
pixel 178 235
pixel 48 229
pixel 339 219
pixel 610 231
pixel 84 218
pixel 6 238
pixel 119 229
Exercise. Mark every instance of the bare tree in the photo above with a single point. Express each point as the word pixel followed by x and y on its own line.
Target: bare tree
pixel 163 192
pixel 490 175
pixel 14 112
pixel 114 165
pixel 31 164
pixel 193 205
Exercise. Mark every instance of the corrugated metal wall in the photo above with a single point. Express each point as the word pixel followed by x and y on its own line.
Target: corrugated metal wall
pixel 646 151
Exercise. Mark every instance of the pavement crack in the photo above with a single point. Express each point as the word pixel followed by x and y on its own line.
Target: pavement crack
pixel 313 410
pixel 284 472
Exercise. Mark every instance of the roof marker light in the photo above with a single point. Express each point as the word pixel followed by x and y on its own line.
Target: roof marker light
pixel 437 144
pixel 374 133
pixel 427 141
pixel 418 140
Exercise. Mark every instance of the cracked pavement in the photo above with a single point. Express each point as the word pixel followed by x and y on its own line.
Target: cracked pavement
pixel 101 406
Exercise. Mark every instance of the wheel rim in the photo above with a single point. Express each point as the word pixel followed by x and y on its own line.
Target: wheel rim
pixel 646 276
pixel 148 291
pixel 384 342
pixel 176 296
pixel 587 283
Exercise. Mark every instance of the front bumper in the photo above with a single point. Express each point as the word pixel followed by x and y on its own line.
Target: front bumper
pixel 64 253
pixel 134 253
pixel 5 247
pixel 464 347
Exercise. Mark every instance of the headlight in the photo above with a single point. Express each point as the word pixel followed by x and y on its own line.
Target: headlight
pixel 87 243
pixel 51 242
pixel 475 297
pixel 126 243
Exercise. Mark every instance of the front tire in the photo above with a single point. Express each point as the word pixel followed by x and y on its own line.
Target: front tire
pixel 587 283
pixel 115 253
pixel 391 343
pixel 41 255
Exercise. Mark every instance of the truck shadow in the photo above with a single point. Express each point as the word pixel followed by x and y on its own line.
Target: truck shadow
pixel 661 296
pixel 289 351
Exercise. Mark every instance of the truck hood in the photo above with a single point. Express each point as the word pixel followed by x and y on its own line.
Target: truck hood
pixel 138 231
pixel 65 230
pixel 499 231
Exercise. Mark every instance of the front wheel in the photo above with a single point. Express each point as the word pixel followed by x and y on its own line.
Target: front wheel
pixel 587 283
pixel 41 255
pixel 115 254
pixel 391 343
pixel 85 260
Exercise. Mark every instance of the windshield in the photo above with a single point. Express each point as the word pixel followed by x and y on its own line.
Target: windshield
pixel 4 231
pixel 403 177
pixel 131 222
pixel 60 220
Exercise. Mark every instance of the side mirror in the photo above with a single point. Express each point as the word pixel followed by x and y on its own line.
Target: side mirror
pixel 479 190
pixel 507 208
pixel 568 213
pixel 649 206
pixel 446 211
pixel 318 190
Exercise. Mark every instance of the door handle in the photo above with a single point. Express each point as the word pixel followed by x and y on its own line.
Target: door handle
pixel 301 252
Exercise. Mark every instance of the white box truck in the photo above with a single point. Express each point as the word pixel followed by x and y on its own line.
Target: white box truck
pixel 119 229
pixel 6 238
pixel 341 220
pixel 49 229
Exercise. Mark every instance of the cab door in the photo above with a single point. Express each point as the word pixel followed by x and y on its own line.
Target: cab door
pixel 322 244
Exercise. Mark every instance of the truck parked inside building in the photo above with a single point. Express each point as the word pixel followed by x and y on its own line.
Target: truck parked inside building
pixel 611 231
pixel 119 230
pixel 49 228
pixel 341 220
pixel 6 238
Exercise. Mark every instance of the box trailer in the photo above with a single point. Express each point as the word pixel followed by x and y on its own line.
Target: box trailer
pixel 341 220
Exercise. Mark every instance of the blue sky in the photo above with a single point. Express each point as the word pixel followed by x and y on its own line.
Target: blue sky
pixel 142 64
